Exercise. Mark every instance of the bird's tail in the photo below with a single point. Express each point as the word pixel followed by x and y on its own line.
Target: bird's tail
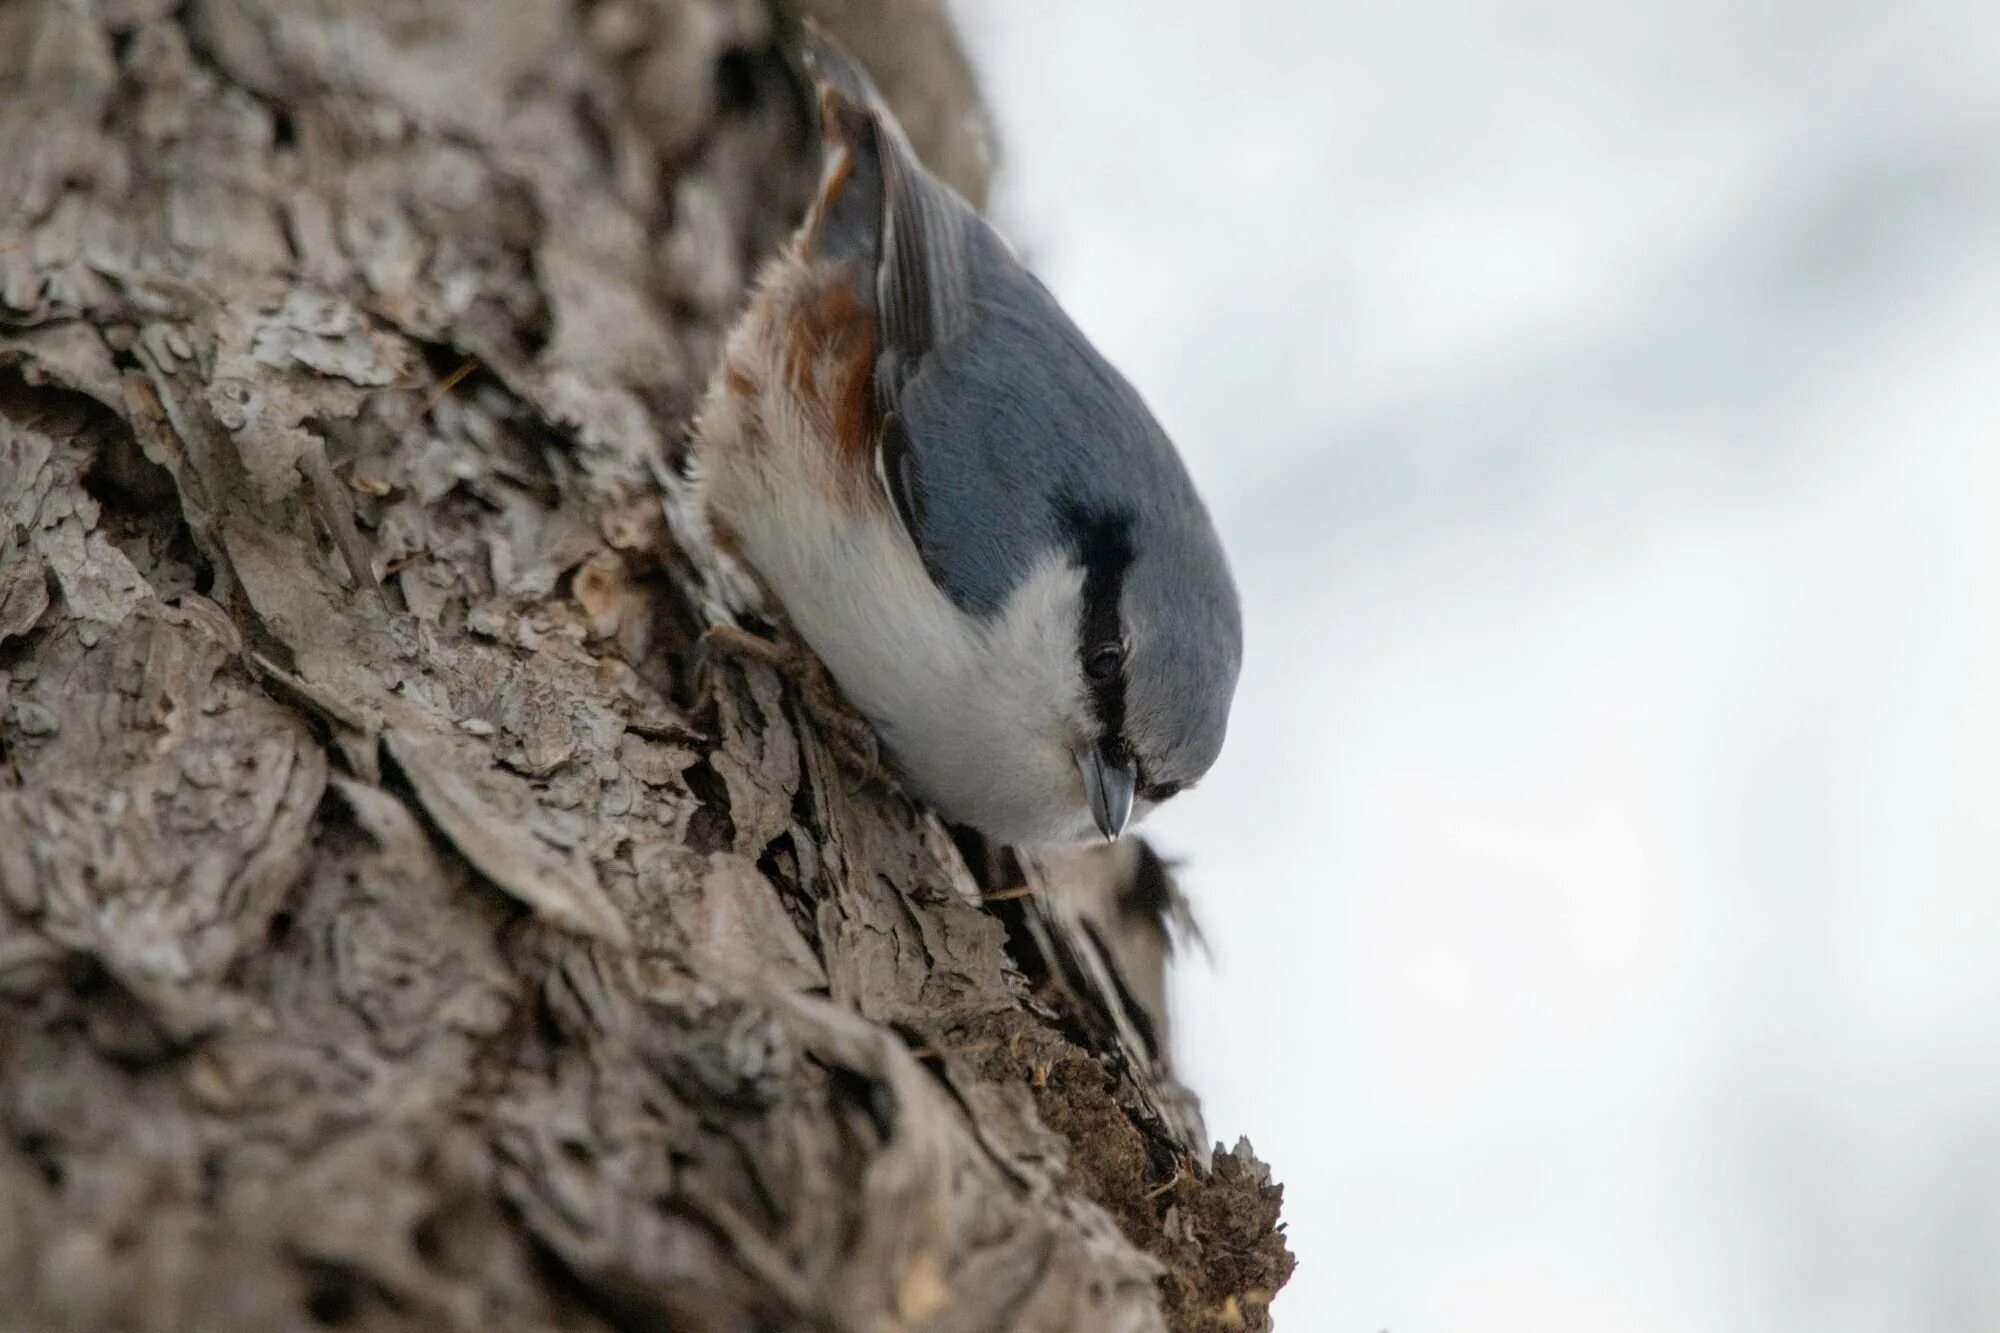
pixel 877 201
pixel 846 216
pixel 831 66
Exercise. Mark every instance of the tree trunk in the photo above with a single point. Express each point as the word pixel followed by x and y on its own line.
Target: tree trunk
pixel 402 924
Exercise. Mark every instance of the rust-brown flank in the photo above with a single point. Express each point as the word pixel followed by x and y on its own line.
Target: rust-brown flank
pixel 829 359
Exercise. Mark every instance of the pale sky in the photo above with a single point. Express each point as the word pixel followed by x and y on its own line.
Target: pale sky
pixel 1601 405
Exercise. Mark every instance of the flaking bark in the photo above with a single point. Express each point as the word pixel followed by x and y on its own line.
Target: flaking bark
pixel 401 924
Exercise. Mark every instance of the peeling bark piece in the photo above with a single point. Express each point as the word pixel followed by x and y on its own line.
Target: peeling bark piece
pixel 24 594
pixel 164 861
pixel 336 510
pixel 736 927
pixel 70 354
pixel 98 582
pixel 325 335
pixel 560 890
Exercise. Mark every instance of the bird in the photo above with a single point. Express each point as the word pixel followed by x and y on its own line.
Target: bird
pixel 970 518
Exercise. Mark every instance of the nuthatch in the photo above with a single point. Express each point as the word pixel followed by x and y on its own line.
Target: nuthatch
pixel 968 515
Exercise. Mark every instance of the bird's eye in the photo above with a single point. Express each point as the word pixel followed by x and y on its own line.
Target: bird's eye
pixel 1104 665
pixel 1160 791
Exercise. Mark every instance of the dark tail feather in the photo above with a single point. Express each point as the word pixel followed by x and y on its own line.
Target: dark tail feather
pixel 829 65
pixel 846 217
pixel 877 203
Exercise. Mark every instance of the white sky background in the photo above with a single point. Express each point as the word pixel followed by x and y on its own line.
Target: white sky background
pixel 1601 404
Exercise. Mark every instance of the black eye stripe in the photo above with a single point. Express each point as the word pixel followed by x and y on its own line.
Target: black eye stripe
pixel 1104 549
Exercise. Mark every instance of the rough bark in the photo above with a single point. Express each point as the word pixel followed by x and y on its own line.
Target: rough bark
pixel 402 924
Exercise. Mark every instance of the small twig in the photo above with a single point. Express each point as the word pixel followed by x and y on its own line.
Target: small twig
pixel 1009 895
pixel 1172 1181
pixel 448 383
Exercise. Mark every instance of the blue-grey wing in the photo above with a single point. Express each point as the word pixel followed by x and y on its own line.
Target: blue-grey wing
pixel 1001 431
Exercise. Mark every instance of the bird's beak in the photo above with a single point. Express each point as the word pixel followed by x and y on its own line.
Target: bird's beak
pixel 1109 783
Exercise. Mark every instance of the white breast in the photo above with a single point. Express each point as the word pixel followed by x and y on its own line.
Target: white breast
pixel 982 717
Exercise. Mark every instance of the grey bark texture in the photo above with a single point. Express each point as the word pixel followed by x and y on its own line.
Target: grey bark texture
pixel 404 924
